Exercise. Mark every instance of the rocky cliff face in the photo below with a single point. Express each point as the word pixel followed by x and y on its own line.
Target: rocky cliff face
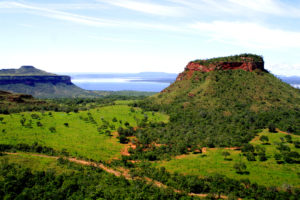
pixel 38 83
pixel 239 62
pixel 30 75
pixel 32 80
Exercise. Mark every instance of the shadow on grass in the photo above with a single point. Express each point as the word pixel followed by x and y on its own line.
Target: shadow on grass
pixel 243 173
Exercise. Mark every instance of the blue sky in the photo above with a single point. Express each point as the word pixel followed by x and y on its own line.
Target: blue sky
pixel 147 35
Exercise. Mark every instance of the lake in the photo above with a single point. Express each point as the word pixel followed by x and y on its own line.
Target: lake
pixel 113 84
pixel 144 81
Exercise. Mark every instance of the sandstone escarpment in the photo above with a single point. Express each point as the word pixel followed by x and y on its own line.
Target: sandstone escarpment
pixel 246 62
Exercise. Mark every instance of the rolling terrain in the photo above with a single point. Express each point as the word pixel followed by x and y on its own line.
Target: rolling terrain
pixel 225 129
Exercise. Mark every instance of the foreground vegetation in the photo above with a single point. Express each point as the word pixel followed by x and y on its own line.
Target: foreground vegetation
pixel 19 182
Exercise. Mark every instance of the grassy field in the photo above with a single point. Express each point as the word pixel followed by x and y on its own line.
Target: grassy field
pixel 35 163
pixel 268 173
pixel 80 136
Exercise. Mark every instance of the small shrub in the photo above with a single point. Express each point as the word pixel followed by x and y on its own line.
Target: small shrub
pixel 52 129
pixel 288 138
pixel 250 156
pixel 240 167
pixel 264 139
pixel 272 128
pixel 35 116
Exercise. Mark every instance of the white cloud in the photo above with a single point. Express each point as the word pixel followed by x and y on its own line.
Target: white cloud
pixel 266 6
pixel 86 20
pixel 146 7
pixel 42 11
pixel 284 69
pixel 248 34
pixel 241 8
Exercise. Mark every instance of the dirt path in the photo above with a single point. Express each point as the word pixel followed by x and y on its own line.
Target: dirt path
pixel 123 172
pixel 81 162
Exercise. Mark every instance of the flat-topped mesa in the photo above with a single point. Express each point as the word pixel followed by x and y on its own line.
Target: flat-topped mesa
pixel 247 62
pixel 30 75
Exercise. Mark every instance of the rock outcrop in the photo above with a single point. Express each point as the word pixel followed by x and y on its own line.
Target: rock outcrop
pixel 245 62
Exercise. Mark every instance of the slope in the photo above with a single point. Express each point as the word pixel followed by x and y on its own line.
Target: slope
pixel 222 103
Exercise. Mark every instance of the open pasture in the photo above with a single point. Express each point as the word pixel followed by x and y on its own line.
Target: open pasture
pixel 83 134
pixel 268 173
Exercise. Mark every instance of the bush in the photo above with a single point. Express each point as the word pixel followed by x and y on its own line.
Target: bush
pixel 262 157
pixel 272 128
pixel 247 148
pixel 297 144
pixel 264 139
pixel 288 138
pixel 52 129
pixel 123 139
pixel 39 124
pixel 240 167
pixel 250 156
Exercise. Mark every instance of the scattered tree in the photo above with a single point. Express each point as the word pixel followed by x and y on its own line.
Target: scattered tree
pixel 250 156
pixel 52 129
pixel 272 128
pixel 240 167
pixel 114 119
pixel 264 139
pixel 225 154
pixel 288 138
pixel 39 124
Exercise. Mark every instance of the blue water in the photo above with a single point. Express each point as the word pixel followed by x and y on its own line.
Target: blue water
pixel 118 86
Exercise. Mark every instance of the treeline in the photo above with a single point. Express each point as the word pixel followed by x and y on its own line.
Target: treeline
pixel 62 104
pixel 35 147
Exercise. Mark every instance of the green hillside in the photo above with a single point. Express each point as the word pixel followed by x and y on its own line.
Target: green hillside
pixel 221 108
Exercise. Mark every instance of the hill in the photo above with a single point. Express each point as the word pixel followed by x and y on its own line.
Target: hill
pixel 41 84
pixel 222 102
pixel 24 71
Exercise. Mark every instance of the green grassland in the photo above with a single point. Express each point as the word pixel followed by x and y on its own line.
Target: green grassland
pixel 35 163
pixel 80 136
pixel 268 173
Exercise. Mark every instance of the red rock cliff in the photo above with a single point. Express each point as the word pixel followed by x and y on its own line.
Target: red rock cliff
pixel 246 64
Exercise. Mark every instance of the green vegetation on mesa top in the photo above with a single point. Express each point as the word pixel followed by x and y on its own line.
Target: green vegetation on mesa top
pixel 235 58
pixel 85 134
pixel 269 172
pixel 25 71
